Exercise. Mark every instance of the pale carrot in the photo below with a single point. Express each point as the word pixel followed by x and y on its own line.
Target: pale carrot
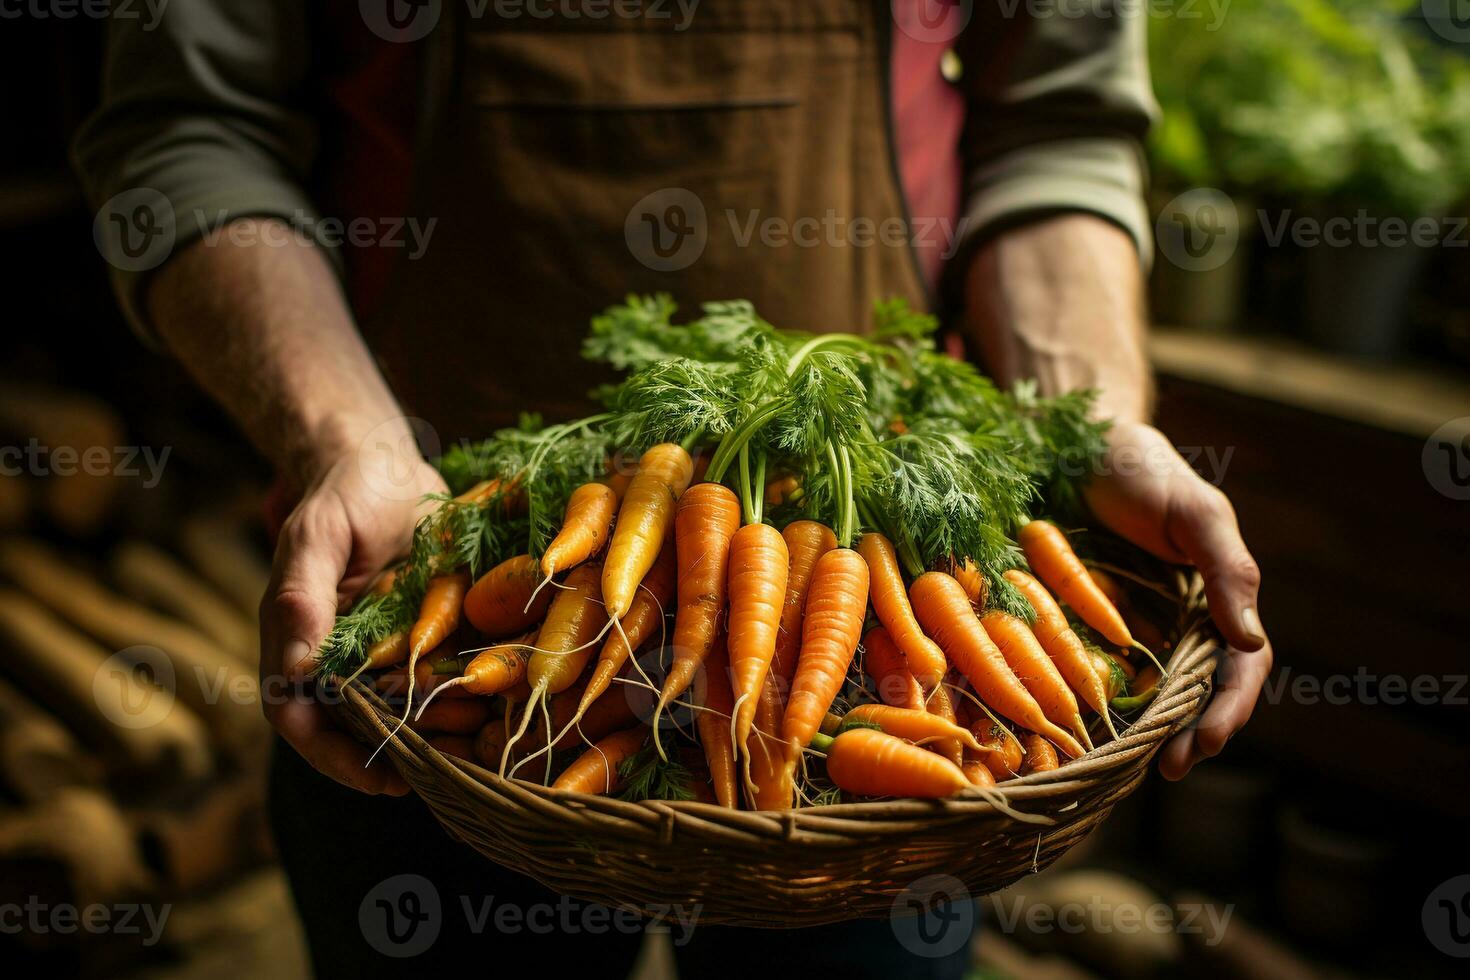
pixel 644 519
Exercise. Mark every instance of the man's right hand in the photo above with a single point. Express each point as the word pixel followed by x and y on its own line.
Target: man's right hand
pixel 355 516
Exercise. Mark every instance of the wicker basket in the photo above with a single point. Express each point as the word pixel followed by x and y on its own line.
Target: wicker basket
pixel 802 867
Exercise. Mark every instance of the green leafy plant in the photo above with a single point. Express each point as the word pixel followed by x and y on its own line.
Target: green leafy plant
pixel 1314 99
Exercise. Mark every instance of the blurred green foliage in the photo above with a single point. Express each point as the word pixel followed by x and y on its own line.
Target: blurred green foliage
pixel 1340 100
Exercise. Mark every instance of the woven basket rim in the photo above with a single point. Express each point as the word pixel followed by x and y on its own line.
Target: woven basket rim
pixel 1182 696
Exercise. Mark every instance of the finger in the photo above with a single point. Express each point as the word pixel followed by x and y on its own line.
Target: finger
pixel 1177 757
pixel 302 603
pixel 307 728
pixel 1240 679
pixel 1204 528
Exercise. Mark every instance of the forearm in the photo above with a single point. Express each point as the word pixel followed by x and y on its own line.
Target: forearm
pixel 1061 300
pixel 261 324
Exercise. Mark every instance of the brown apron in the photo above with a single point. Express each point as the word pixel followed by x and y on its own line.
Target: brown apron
pixel 576 159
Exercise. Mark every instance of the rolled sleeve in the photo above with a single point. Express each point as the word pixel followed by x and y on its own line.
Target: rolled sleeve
pixel 1058 108
pixel 199 125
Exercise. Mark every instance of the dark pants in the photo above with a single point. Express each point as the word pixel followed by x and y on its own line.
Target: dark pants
pixel 383 892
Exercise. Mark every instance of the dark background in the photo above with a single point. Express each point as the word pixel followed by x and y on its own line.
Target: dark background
pixel 1327 825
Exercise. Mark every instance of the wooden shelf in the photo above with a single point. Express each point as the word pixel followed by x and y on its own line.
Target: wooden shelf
pixel 1410 399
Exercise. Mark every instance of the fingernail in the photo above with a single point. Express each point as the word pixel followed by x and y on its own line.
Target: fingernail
pixel 1250 621
pixel 294 657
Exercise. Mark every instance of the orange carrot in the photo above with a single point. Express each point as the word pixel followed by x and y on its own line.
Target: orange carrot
pixel 941 706
pixel 806 541
pixel 388 651
pixel 770 786
pixel 708 517
pixel 459 746
pixel 714 729
pixel 945 612
pixel 438 613
pixel 870 763
pixel 496 605
pixel 498 668
pixel 462 716
pixel 490 742
pixel 607 714
pixel 643 618
pixel 438 617
pixel 976 772
pixel 835 605
pixel 1056 564
pixel 1064 646
pixel 584 529
pixel 976 586
pixel 1035 670
pixel 884 662
pixel 757 587
pixel 891 603
pixel 1040 756
pixel 781 489
pixel 596 770
pixel 1000 750
pixel 915 725
pixel 1110 587
pixel 644 519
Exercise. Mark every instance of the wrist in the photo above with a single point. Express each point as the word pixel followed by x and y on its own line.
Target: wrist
pixel 371 440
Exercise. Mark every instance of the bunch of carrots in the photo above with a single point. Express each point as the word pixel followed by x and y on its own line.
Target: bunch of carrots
pixel 821 579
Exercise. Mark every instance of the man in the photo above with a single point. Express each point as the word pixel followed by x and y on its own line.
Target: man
pixel 564 155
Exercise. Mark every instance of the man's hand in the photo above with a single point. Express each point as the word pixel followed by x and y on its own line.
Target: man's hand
pixel 1061 300
pixel 1148 494
pixel 355 518
pixel 266 331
